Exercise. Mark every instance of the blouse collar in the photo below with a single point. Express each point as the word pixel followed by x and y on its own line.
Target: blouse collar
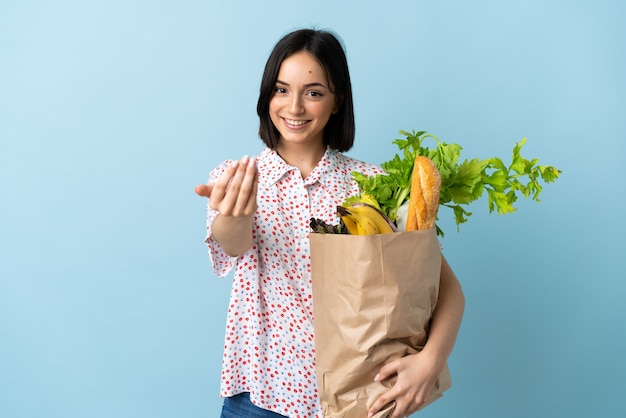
pixel 272 168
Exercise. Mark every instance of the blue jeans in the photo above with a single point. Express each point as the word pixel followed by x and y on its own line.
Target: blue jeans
pixel 240 406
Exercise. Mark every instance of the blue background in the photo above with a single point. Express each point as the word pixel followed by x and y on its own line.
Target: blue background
pixel 112 111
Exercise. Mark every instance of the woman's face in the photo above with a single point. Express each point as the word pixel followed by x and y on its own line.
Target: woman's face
pixel 302 102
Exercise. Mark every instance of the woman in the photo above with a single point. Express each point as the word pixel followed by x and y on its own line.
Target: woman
pixel 258 222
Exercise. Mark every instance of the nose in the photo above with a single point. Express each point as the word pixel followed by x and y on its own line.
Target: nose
pixel 296 105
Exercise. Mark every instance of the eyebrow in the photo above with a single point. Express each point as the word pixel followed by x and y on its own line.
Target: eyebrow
pixel 316 84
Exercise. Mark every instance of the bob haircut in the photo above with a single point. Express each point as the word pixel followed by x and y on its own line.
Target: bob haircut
pixel 324 46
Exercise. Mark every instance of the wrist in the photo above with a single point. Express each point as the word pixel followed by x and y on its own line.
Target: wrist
pixel 233 233
pixel 434 355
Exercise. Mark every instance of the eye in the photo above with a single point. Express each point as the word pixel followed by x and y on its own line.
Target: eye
pixel 314 93
pixel 280 90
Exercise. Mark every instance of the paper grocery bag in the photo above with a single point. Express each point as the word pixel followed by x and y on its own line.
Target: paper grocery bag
pixel 373 298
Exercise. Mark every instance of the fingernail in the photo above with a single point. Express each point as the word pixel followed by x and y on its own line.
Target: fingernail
pixel 234 164
pixel 377 377
pixel 244 160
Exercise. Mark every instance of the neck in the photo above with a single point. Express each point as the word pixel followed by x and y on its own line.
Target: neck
pixel 305 158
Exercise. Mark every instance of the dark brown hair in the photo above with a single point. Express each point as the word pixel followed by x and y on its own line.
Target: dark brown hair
pixel 326 48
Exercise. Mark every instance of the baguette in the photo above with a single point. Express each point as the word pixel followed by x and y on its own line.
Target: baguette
pixel 424 196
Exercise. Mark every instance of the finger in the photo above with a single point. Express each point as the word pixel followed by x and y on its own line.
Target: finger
pixel 400 411
pixel 221 185
pixel 204 189
pixel 235 199
pixel 381 403
pixel 403 410
pixel 388 370
pixel 227 187
pixel 404 406
pixel 408 402
pixel 384 411
pixel 252 205
pixel 252 176
pixel 246 202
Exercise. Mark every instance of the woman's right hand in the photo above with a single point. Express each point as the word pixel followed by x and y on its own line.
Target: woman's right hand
pixel 233 196
pixel 234 192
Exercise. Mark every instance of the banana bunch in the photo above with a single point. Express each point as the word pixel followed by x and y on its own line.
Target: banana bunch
pixel 359 215
pixel 362 218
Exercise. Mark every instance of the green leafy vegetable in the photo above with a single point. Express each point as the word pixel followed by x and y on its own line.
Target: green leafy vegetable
pixel 462 182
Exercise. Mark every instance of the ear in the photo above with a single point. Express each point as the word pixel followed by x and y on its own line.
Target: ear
pixel 338 104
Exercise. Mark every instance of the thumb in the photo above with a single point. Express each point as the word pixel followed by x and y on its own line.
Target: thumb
pixel 204 189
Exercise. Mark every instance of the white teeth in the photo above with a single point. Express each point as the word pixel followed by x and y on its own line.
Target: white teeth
pixel 296 122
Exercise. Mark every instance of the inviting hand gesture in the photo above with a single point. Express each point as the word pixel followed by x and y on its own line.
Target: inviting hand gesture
pixel 233 196
pixel 234 193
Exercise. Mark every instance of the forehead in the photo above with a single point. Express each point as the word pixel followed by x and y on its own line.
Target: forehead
pixel 301 66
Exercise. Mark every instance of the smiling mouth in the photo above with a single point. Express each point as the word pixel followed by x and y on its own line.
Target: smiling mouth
pixel 293 122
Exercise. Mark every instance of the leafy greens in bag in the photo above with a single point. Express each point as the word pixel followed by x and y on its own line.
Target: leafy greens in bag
pixel 462 182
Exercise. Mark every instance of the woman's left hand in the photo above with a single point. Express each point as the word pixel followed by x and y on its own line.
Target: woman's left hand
pixel 416 378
